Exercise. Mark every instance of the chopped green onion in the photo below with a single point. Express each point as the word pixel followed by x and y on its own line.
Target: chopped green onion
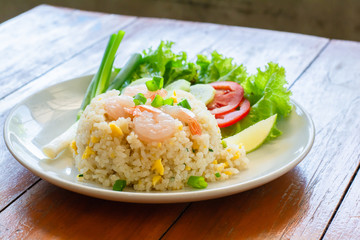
pixel 155 84
pixel 169 101
pixel 159 81
pixel 187 149
pixel 185 104
pixel 139 99
pixel 197 182
pixel 119 185
pixel 193 150
pixel 217 174
pixel 224 144
pixel 158 101
pixel 210 150
pixel 80 175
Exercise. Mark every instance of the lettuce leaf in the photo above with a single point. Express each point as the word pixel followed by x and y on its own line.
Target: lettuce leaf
pixel 163 62
pixel 219 68
pixel 268 95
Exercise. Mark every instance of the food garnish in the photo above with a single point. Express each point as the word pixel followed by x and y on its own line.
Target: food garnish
pixel 197 182
pixel 185 104
pixel 119 185
pixel 139 99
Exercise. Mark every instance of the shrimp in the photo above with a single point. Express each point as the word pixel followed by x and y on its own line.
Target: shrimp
pixel 151 124
pixel 183 115
pixel 116 107
pixel 141 88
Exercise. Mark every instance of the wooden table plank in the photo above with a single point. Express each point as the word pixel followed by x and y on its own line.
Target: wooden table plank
pixel 300 204
pixel 67 33
pixel 45 28
pixel 48 212
pixel 346 224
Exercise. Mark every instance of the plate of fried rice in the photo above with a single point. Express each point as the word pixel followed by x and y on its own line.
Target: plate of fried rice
pixel 152 152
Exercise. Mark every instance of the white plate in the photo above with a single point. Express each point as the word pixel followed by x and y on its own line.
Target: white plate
pixel 46 114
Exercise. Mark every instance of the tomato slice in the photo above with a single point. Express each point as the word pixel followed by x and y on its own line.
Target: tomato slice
pixel 233 117
pixel 228 96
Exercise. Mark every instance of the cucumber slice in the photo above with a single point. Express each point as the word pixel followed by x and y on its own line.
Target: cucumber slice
pixel 180 84
pixel 254 136
pixel 139 81
pixel 203 92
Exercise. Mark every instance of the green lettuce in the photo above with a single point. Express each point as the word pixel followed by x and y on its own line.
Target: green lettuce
pixel 268 95
pixel 219 68
pixel 163 62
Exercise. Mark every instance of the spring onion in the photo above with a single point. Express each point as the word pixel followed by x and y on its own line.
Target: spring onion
pixel 157 102
pixel 122 78
pixel 185 104
pixel 139 99
pixel 101 80
pixel 119 185
pixel 169 101
pixel 210 150
pixel 217 174
pixel 155 84
pixel 197 182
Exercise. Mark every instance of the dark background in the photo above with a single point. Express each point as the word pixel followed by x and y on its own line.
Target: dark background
pixel 328 18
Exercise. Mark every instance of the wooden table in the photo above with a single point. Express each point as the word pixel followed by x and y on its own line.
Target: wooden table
pixel 318 199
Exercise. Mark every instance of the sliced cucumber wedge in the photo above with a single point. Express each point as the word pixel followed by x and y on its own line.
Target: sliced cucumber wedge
pixel 203 92
pixel 180 84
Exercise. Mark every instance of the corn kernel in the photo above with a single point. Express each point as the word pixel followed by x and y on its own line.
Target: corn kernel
pixel 226 164
pixel 94 139
pixel 175 99
pixel 215 162
pixel 228 173
pixel 73 146
pixel 187 168
pixel 195 145
pixel 158 167
pixel 88 152
pixel 180 127
pixel 220 168
pixel 156 179
pixel 229 149
pixel 236 156
pixel 115 130
pixel 159 145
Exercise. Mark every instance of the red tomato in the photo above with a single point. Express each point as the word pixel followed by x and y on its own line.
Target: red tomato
pixel 227 97
pixel 233 117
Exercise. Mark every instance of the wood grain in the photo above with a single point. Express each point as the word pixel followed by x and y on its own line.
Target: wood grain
pixel 53 36
pixel 346 224
pixel 48 212
pixel 39 41
pixel 300 204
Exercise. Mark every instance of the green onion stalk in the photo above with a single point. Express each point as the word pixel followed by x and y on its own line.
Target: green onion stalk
pixel 99 84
